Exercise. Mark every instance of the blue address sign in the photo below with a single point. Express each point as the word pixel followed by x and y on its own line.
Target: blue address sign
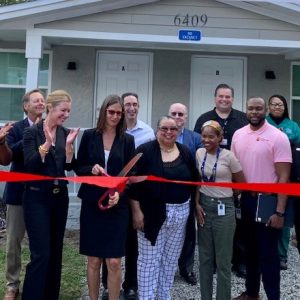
pixel 189 35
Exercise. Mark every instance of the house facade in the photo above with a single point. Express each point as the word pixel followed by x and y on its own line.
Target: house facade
pixel 165 50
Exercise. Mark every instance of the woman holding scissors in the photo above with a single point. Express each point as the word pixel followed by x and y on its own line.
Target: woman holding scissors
pixel 105 149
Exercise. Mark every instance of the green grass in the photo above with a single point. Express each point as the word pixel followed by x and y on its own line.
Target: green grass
pixel 73 269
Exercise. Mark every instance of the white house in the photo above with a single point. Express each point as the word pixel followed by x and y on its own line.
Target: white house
pixel 165 50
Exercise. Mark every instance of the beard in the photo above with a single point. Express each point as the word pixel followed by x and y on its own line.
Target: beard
pixel 257 123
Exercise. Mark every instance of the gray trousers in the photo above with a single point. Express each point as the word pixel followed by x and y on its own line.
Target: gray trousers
pixel 215 241
pixel 15 231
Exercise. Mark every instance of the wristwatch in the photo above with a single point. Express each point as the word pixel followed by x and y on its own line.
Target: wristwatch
pixel 279 214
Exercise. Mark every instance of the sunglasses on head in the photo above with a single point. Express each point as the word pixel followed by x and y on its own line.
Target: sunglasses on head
pixel 114 112
pixel 175 113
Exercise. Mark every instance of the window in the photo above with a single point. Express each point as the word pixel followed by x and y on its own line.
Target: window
pixel 13 68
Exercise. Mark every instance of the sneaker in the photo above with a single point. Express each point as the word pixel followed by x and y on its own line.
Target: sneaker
pixel 11 294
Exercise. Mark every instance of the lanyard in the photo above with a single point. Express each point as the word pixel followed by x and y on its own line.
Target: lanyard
pixel 223 123
pixel 212 177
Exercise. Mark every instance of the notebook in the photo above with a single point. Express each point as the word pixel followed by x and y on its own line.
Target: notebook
pixel 266 207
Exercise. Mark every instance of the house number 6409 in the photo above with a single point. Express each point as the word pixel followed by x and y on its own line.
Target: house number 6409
pixel 190 21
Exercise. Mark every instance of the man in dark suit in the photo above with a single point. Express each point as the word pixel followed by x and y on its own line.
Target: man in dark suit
pixel 33 106
pixel 193 141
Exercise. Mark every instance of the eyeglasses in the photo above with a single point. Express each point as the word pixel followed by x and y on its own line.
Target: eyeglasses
pixel 175 113
pixel 127 105
pixel 277 104
pixel 166 129
pixel 114 112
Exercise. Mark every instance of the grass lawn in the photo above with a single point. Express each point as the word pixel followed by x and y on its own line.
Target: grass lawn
pixel 73 270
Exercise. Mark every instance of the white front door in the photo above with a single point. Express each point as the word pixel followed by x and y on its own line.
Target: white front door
pixel 120 72
pixel 206 73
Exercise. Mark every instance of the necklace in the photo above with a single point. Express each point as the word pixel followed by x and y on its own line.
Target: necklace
pixel 167 150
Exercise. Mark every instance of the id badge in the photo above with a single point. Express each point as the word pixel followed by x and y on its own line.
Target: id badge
pixel 221 209
pixel 238 213
pixel 224 142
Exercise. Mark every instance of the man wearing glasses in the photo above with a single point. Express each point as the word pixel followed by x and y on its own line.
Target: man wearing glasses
pixel 193 141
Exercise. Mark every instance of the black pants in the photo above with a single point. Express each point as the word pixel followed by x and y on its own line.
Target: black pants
pixel 261 247
pixel 297 220
pixel 45 215
pixel 186 259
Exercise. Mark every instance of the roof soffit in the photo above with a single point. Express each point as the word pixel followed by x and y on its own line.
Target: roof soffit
pixel 36 12
pixel 287 11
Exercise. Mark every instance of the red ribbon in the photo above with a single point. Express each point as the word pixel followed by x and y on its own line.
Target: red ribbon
pixel 120 182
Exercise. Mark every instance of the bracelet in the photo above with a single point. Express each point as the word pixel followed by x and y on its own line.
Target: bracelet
pixel 279 214
pixel 43 149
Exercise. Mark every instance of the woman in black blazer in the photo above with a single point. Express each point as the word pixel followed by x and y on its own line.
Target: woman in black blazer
pixel 106 148
pixel 48 150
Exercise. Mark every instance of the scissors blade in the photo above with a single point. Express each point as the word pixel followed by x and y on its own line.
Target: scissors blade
pixel 130 165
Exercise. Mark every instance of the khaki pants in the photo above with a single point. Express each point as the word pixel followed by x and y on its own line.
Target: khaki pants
pixel 15 231
pixel 215 241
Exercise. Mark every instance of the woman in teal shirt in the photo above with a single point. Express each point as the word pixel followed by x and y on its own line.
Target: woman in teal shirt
pixel 279 117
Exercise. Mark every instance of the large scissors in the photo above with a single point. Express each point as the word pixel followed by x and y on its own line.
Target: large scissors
pixel 122 173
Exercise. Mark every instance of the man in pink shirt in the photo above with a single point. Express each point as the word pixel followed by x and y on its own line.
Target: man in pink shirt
pixel 265 156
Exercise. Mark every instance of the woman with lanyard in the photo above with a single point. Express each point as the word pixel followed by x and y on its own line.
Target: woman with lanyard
pixel 215 211
pixel 279 118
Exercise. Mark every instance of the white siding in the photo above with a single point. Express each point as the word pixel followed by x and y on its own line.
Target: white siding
pixel 158 18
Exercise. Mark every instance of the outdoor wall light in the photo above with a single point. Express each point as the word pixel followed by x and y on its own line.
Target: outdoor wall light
pixel 71 66
pixel 270 75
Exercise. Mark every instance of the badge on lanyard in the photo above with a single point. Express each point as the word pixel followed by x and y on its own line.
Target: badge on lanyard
pixel 238 213
pixel 221 209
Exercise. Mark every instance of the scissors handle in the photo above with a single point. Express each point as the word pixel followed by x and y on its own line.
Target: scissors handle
pixel 104 197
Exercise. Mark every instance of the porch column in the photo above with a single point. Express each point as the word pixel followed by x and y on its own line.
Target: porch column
pixel 33 55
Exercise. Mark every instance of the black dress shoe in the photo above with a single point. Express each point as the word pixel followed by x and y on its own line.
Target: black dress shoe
pixel 104 294
pixel 190 278
pixel 240 270
pixel 283 265
pixel 130 294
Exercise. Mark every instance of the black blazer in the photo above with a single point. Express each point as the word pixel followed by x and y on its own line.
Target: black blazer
pixel 55 161
pixel 91 152
pixel 14 190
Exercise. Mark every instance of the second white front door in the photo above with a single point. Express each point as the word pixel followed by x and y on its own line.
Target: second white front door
pixel 206 73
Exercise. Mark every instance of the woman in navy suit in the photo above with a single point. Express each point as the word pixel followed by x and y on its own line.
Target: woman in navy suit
pixel 48 150
pixel 106 148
